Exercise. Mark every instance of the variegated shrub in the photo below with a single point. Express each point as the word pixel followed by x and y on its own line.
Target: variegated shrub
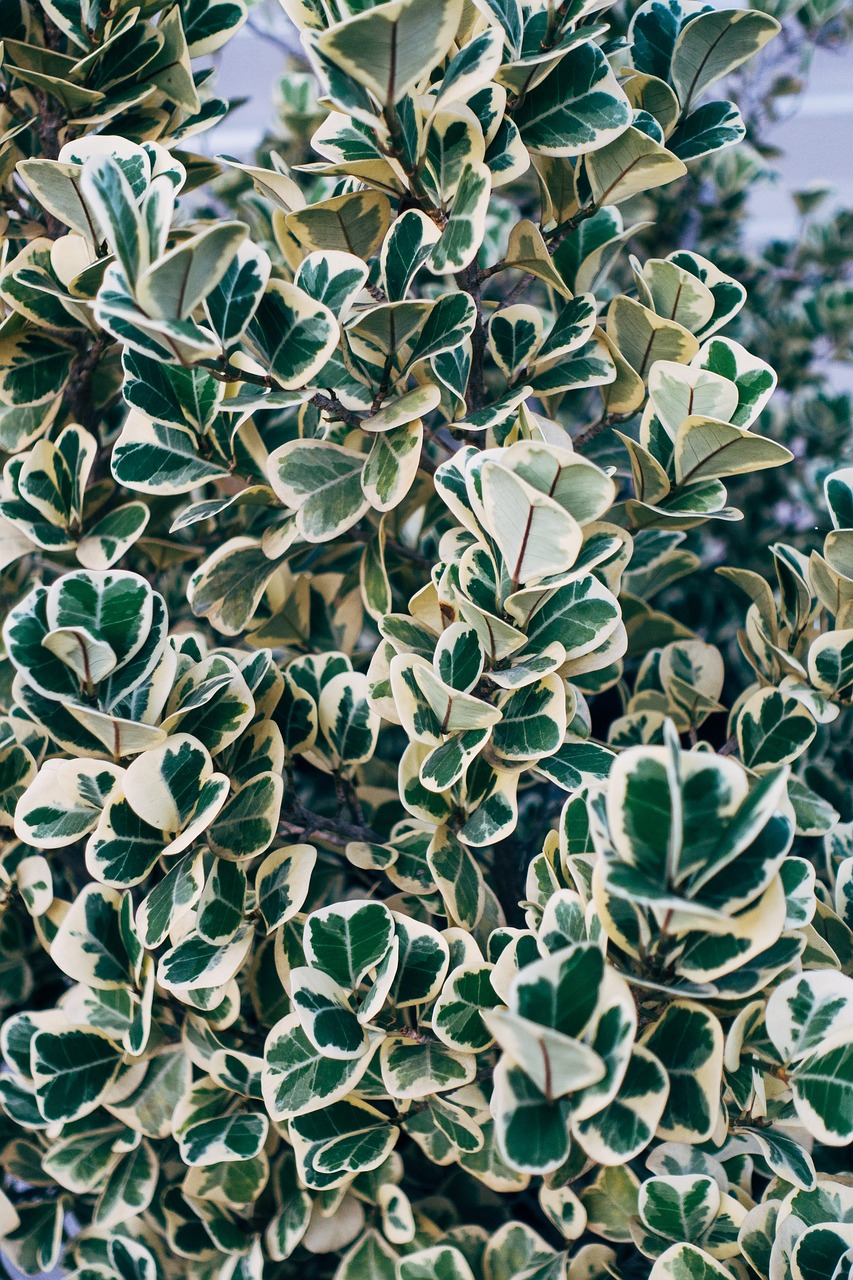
pixel 395 884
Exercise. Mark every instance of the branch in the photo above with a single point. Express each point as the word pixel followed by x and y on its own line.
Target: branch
pixel 302 821
pixel 470 281
pixel 595 428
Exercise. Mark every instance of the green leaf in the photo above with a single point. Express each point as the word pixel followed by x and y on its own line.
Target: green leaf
pixel 532 1132
pixel 109 196
pixel 223 1140
pixel 370 1258
pixel 458 877
pixel 578 108
pixel 64 802
pixel 440 1262
pixel 194 964
pixel 643 337
pixel 688 1041
pixel 293 334
pixel 322 483
pixel 711 45
pixel 177 282
pixel 461 238
pixel 129 1189
pixel 626 1126
pixel 705 447
pixel 391 48
pixel 822 1086
pixel 88 945
pixel 392 465
pixel 709 128
pixel 298 1079
pixel 632 163
pixel 33 368
pixel 169 900
pixel 232 302
pixel 773 728
pixel 72 1070
pixel 282 883
pixel 679 1207
pixel 354 223
pixel 326 1015
pixel 411 1070
pixel 687 1262
pixel 348 940
pixel 404 249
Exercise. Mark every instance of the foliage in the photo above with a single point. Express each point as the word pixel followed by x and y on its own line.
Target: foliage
pixel 799 314
pixel 391 886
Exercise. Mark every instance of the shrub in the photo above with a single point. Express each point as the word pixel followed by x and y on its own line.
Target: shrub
pixel 393 886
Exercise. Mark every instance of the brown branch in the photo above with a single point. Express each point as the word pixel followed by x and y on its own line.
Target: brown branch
pixel 469 281
pixel 302 821
pixel 595 428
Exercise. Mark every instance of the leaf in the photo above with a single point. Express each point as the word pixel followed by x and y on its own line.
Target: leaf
pixel 632 163
pixel 461 238
pixel 533 721
pixel 709 128
pixel 808 1010
pixel 688 1041
pixel 173 286
pixel 33 367
pixel 458 878
pixel 773 729
pixel 370 1258
pixel 627 1124
pixel 755 380
pixel 109 196
pixel 293 334
pixel 321 481
pixel 170 900
pixel 440 1262
pixel 114 534
pixel 232 302
pixel 72 1070
pixel 473 66
pixel 222 903
pixel 344 1136
pixel 643 337
pixel 348 940
pixel 687 1262
pixel 679 1207
pixel 391 48
pixel 326 1015
pixel 354 223
pixel 64 802
pixel 822 1086
pixel 227 588
pixel 194 964
pixel 411 1070
pixel 392 465
pixel 298 1079
pixel 130 1187
pixel 705 447
pixel 532 1132
pixel 223 1140
pixel 89 944
pixel 282 883
pixel 711 45
pixel 578 108
pixel 536 536
pixel 528 252
pixel 405 248
pixel 333 278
